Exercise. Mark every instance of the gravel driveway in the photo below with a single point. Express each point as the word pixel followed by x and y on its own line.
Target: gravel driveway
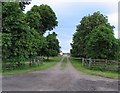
pixel 56 79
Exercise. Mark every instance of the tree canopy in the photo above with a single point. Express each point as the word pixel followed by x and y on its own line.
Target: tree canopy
pixel 44 16
pixel 92 35
pixel 101 43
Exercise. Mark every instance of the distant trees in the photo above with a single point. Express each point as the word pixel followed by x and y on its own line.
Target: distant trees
pixel 53 45
pixel 22 34
pixel 94 38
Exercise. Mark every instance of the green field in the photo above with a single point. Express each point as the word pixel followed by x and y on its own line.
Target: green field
pixel 78 65
pixel 47 64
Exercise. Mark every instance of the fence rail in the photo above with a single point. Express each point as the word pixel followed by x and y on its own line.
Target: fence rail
pixel 13 65
pixel 102 64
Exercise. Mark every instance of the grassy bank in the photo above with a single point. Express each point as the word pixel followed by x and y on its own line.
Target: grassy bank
pixel 78 65
pixel 47 64
pixel 64 63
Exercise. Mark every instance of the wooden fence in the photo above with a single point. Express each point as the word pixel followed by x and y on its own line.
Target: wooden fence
pixel 14 65
pixel 103 64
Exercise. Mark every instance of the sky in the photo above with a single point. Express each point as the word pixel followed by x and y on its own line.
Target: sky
pixel 70 12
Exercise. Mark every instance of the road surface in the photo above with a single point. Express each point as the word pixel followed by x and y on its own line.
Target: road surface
pixel 57 79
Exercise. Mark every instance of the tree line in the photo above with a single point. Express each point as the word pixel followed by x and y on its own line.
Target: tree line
pixel 23 33
pixel 94 38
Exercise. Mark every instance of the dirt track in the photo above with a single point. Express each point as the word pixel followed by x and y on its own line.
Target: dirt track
pixel 55 79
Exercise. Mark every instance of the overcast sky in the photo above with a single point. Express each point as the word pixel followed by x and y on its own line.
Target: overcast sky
pixel 70 12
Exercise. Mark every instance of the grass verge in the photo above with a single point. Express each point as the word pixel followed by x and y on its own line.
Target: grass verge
pixel 78 65
pixel 64 63
pixel 47 64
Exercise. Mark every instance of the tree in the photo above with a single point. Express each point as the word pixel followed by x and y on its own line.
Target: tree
pixel 11 23
pixel 42 18
pixel 76 46
pixel 118 49
pixel 86 26
pixel 53 47
pixel 22 39
pixel 102 44
pixel 36 43
pixel 6 44
pixel 47 20
pixel 11 16
pixel 17 35
pixel 33 19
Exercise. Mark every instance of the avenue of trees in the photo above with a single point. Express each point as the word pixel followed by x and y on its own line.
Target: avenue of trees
pixel 94 38
pixel 23 33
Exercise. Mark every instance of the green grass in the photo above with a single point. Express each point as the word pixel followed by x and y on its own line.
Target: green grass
pixel 78 65
pixel 47 64
pixel 64 63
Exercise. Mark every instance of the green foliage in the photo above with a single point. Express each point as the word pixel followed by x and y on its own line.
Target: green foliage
pixel 48 19
pixel 94 38
pixel 118 40
pixel 101 43
pixel 53 47
pixel 22 39
pixel 6 44
pixel 11 16
pixel 77 45
pixel 15 31
pixel 33 19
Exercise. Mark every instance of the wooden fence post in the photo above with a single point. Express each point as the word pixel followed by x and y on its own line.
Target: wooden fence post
pixel 82 61
pixel 105 64
pixel 90 61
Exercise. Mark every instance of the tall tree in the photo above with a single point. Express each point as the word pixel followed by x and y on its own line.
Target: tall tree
pixel 17 35
pixel 42 18
pixel 11 23
pixel 101 43
pixel 47 20
pixel 86 26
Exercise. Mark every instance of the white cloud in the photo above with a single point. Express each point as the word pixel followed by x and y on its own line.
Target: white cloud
pixel 116 33
pixel 113 20
pixel 52 3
